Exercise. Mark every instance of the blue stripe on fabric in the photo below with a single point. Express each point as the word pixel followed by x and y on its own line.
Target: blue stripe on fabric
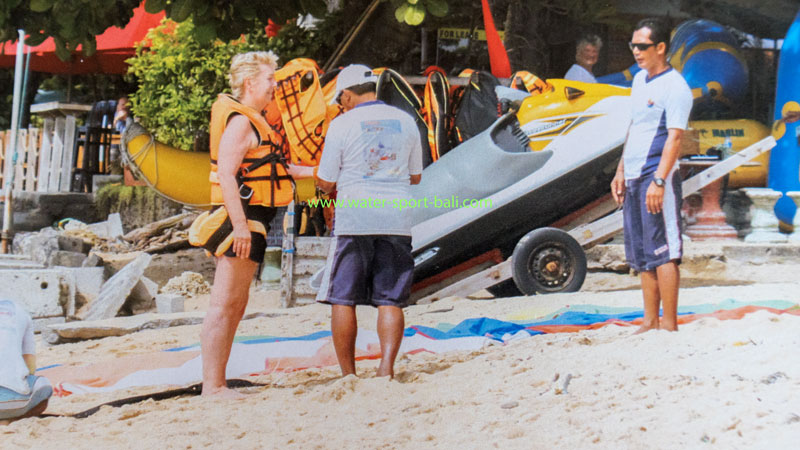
pixel 656 147
pixel 647 79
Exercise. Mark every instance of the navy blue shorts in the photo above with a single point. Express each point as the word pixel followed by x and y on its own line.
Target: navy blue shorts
pixel 652 239
pixel 368 270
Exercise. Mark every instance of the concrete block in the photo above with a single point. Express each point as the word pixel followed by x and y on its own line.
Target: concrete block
pixel 99 181
pixel 42 292
pixel 93 260
pixel 143 296
pixel 116 289
pixel 36 245
pixel 169 303
pixel 73 244
pixel 35 210
pixel 88 282
pixel 40 325
pixel 66 259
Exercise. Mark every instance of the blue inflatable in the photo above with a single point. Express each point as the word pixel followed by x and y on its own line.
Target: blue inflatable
pixel 624 78
pixel 784 161
pixel 707 56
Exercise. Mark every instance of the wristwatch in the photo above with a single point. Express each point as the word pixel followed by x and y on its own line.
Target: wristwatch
pixel 658 181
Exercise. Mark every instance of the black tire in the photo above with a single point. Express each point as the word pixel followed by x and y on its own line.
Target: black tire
pixel 548 260
pixel 505 289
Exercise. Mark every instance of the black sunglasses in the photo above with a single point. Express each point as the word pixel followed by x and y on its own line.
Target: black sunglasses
pixel 339 97
pixel 642 46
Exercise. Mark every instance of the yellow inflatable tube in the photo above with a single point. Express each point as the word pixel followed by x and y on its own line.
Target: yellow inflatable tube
pixel 742 133
pixel 176 174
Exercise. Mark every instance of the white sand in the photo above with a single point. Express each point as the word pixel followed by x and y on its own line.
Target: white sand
pixel 726 384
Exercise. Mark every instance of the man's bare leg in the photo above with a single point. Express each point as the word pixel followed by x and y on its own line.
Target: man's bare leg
pixel 344 328
pixel 652 298
pixel 669 280
pixel 391 323
pixel 229 297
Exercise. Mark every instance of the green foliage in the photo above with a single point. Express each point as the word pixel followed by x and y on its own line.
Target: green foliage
pixel 74 23
pixel 226 19
pixel 179 77
pixel 413 12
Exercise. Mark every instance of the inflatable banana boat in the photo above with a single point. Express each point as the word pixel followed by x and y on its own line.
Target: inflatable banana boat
pixel 178 175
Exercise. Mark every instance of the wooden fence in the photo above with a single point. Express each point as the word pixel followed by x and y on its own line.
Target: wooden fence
pixel 27 167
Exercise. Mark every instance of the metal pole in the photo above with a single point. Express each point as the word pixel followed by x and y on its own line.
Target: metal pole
pixel 5 237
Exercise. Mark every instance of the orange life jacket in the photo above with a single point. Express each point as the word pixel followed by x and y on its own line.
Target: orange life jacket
pixel 526 81
pixel 270 183
pixel 436 113
pixel 304 110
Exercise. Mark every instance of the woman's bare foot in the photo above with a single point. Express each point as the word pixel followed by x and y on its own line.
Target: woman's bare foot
pixel 223 393
pixel 645 328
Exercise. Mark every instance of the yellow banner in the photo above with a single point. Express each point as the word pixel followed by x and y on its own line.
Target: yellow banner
pixel 464 33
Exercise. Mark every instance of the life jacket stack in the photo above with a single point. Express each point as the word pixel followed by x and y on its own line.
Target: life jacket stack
pixel 304 109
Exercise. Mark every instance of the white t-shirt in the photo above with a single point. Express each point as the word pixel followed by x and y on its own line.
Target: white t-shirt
pixel 16 339
pixel 658 104
pixel 578 73
pixel 369 153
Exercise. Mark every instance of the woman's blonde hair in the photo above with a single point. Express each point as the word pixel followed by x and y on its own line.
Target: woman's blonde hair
pixel 248 65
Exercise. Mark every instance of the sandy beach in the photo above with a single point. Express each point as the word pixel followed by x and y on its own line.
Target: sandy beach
pixel 721 383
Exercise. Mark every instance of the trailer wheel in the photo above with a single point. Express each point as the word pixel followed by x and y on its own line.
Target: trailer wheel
pixel 548 260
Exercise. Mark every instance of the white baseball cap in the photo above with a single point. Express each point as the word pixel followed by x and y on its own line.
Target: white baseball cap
pixel 353 75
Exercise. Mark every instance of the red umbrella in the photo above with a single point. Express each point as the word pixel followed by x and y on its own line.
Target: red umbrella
pixel 114 46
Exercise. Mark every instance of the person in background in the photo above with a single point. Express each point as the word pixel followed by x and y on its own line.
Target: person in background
pixel 647 182
pixel 22 394
pixel 122 115
pixel 587 51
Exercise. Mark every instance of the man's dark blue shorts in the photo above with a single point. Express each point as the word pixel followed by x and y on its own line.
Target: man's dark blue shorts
pixel 368 270
pixel 652 239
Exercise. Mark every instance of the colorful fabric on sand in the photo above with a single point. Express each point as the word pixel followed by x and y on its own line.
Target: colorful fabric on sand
pixel 252 356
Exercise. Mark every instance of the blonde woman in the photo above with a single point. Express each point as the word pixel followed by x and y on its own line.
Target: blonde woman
pixel 240 138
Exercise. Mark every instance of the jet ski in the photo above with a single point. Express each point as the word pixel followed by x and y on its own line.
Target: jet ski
pixel 581 127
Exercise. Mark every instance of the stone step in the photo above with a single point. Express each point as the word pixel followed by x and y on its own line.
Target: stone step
pixel 308 266
pixel 120 326
pixel 18 262
pixel 312 246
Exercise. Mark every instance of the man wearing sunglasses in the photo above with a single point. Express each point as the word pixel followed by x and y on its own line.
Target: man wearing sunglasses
pixel 372 155
pixel 647 182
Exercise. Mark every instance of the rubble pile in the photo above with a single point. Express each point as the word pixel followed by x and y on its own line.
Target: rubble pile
pixel 94 272
pixel 187 284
